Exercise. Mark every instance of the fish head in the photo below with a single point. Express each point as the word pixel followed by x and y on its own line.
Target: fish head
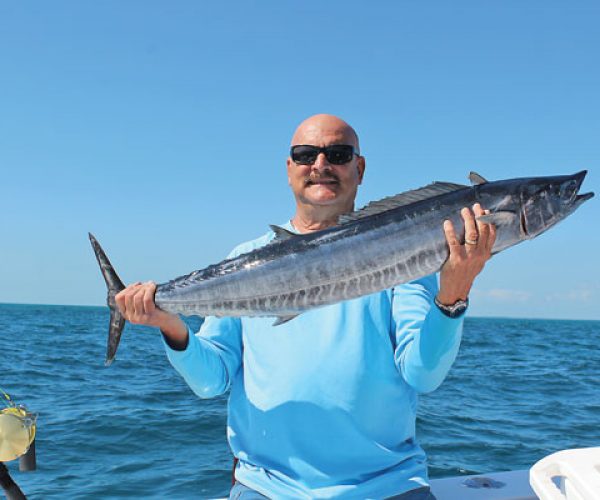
pixel 546 201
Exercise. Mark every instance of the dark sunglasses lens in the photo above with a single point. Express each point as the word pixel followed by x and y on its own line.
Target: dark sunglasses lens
pixel 304 155
pixel 339 155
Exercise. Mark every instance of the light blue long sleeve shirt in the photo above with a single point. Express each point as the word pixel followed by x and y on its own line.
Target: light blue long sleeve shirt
pixel 324 406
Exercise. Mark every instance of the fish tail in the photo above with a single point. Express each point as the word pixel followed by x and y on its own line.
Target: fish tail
pixel 114 285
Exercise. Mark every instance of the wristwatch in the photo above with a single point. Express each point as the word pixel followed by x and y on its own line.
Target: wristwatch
pixel 455 310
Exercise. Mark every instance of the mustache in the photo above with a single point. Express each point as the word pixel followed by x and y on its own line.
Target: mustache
pixel 311 179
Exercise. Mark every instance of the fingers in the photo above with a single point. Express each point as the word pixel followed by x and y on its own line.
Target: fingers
pixel 129 294
pixel 483 233
pixel 477 233
pixel 479 236
pixel 123 298
pixel 453 243
pixel 482 228
pixel 466 261
pixel 148 299
pixel 487 231
pixel 136 302
pixel 471 229
pixel 492 237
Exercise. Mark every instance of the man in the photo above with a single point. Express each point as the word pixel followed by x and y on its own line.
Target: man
pixel 324 406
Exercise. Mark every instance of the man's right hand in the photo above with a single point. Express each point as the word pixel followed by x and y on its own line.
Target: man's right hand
pixel 136 303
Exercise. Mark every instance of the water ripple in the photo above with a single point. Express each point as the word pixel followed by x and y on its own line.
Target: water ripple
pixel 519 390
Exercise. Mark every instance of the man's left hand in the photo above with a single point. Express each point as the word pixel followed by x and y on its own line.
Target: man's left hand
pixel 466 261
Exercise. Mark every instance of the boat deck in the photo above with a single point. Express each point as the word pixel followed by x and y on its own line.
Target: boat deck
pixel 512 485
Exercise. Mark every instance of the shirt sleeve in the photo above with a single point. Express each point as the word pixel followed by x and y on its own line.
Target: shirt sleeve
pixel 212 357
pixel 427 340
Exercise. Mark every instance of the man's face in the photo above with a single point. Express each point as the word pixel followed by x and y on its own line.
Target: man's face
pixel 322 183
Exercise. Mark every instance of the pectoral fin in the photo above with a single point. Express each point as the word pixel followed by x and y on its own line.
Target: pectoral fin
pixel 283 319
pixel 281 233
pixel 500 218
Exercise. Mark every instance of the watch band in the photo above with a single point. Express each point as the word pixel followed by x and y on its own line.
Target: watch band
pixel 453 310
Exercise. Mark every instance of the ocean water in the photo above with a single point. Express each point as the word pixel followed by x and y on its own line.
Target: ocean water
pixel 519 390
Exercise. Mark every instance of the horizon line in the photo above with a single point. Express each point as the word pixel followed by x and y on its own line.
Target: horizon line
pixel 471 317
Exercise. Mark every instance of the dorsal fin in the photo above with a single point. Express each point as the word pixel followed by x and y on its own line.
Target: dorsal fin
pixel 402 199
pixel 477 179
pixel 281 233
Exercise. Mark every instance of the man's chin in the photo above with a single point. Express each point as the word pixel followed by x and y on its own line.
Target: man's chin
pixel 322 192
pixel 322 202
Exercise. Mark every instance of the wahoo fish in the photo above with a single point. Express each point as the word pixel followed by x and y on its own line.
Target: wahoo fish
pixel 386 243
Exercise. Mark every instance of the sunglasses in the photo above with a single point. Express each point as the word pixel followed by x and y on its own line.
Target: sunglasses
pixel 336 154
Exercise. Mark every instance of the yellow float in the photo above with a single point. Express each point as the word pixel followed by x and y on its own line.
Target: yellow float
pixel 17 429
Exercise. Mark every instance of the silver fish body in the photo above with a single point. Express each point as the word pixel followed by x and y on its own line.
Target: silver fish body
pixel 387 243
pixel 292 275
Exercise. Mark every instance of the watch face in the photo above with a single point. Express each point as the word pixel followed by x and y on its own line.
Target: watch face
pixel 458 308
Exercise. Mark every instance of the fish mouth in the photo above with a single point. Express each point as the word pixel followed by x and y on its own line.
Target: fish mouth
pixel 579 176
pixel 580 198
pixel 569 197
pixel 584 197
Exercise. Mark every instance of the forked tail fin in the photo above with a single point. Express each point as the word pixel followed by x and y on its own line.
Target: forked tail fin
pixel 114 285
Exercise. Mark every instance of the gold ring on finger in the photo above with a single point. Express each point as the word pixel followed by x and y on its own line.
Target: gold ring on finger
pixel 470 242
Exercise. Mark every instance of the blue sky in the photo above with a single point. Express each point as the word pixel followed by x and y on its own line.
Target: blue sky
pixel 163 128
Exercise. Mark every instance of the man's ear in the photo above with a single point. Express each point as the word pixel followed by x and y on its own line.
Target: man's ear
pixel 289 166
pixel 360 166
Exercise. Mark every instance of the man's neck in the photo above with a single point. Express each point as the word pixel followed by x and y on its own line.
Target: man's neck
pixel 308 221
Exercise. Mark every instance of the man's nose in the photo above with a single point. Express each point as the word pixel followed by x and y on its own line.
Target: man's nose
pixel 321 162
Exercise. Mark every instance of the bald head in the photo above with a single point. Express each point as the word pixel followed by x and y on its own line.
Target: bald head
pixel 317 129
pixel 324 189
